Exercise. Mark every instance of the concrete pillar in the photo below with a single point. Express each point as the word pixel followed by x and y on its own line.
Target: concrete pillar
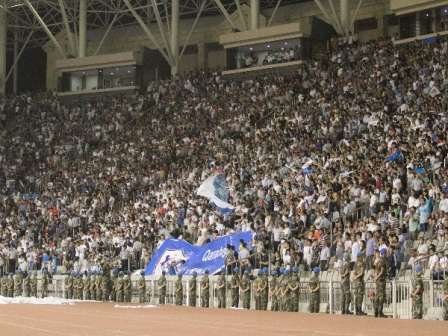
pixel 202 56
pixel 345 16
pixel 418 27
pixel 82 28
pixel 175 35
pixel 15 71
pixel 254 14
pixel 3 30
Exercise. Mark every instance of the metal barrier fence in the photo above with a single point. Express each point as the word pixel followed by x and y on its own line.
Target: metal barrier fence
pixel 398 302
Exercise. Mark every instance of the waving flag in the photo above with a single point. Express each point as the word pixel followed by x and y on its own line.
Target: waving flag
pixel 216 190
pixel 394 156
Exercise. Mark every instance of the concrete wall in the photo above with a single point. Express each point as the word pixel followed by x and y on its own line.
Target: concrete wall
pixel 209 30
pixel 409 6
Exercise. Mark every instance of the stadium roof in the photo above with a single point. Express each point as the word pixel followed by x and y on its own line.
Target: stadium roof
pixel 105 13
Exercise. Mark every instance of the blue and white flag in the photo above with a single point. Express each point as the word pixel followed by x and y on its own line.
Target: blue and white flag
pixel 173 253
pixel 216 190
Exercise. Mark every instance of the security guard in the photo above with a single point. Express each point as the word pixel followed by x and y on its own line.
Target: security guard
pixel 161 286
pixel 314 288
pixel 205 290
pixel 417 294
pixel 192 290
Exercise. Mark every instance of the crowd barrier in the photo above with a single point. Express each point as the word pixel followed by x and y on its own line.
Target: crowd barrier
pixel 398 303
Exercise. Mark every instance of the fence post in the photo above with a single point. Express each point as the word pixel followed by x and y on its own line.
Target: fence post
pixel 394 299
pixel 330 293
pixel 188 293
pixel 431 294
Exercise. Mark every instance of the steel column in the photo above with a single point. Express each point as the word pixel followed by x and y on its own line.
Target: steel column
pixel 240 14
pixel 274 12
pixel 175 36
pixel 106 33
pixel 345 16
pixel 254 14
pixel 168 47
pixel 82 28
pixel 3 36
pixel 193 27
pixel 16 53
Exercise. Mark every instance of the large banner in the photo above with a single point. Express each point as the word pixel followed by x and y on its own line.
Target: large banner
pixel 180 257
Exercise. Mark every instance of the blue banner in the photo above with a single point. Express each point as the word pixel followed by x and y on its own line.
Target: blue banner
pixel 212 256
pixel 170 257
pixel 180 257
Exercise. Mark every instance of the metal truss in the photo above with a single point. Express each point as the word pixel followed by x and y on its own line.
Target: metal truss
pixel 55 16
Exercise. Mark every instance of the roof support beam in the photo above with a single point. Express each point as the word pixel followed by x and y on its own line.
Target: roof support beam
pixel 68 30
pixel 45 28
pixel 147 31
pixel 193 27
pixel 17 57
pixel 168 48
pixel 277 5
pixel 225 13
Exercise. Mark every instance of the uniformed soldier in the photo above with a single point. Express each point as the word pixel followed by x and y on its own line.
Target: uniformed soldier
pixel 255 289
pixel 44 284
pixel 293 288
pixel 11 285
pixel 161 285
pixel 314 289
pixel 192 290
pixel 417 294
pixel 26 285
pixel 245 289
pixel 113 293
pixel 358 283
pixel 380 282
pixel 178 291
pixel 273 289
pixel 345 285
pixel 120 287
pixel 127 289
pixel 445 299
pixel 68 287
pixel 284 292
pixel 141 286
pixel 105 286
pixel 264 289
pixel 221 291
pixel 18 284
pixel 33 283
pixel 86 286
pixel 205 290
pixel 4 286
pixel 99 286
pixel 235 288
pixel 92 287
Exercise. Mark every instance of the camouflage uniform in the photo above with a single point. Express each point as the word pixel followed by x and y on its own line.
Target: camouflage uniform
pixel 359 285
pixel 120 287
pixel 205 291
pixel 4 286
pixel 314 287
pixel 179 291
pixel 68 287
pixel 44 285
pixel 245 290
pixel 380 283
pixel 255 285
pixel 273 288
pixel 345 286
pixel 26 286
pixel 264 291
pixel 161 285
pixel 417 297
pixel 99 287
pixel 11 286
pixel 192 291
pixel 33 283
pixel 235 289
pixel 18 282
pixel 127 288
pixel 284 292
pixel 86 284
pixel 141 285
pixel 293 287
pixel 221 291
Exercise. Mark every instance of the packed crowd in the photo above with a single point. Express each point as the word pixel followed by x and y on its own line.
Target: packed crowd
pixel 345 155
pixel 282 55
